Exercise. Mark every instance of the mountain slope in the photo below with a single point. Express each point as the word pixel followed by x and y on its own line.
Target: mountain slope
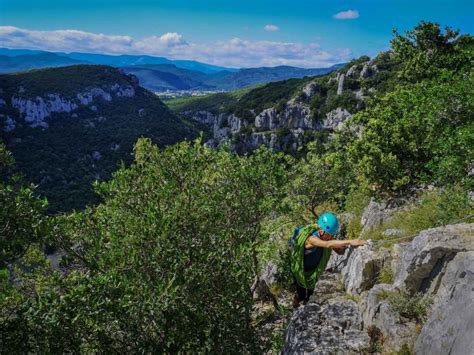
pixel 23 62
pixel 286 114
pixel 163 77
pixel 158 73
pixel 68 126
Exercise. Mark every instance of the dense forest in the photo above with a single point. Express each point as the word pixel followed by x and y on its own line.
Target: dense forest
pixel 166 261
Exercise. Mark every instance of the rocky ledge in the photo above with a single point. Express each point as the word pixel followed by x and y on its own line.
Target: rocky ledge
pixel 350 312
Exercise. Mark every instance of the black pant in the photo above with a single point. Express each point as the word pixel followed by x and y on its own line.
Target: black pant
pixel 302 293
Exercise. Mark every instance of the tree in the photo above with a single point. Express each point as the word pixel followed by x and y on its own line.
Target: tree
pixel 164 264
pixel 21 218
pixel 417 134
pixel 426 51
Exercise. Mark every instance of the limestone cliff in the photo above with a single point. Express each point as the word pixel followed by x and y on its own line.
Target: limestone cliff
pixel 313 107
pixel 351 312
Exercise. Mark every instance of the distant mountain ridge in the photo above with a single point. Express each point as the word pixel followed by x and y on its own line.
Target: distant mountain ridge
pixel 158 73
pixel 114 60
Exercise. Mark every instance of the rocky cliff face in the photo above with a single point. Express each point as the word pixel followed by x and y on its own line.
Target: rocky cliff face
pixel 282 127
pixel 351 313
pixel 35 111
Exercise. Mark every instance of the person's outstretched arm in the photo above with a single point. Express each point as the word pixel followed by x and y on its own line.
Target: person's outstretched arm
pixel 313 242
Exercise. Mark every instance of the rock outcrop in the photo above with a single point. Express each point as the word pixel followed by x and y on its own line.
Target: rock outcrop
pixel 328 324
pixel 35 111
pixel 361 268
pixel 280 127
pixel 335 119
pixel 449 328
pixel 420 265
pixel 438 264
pixel 375 214
pixel 340 84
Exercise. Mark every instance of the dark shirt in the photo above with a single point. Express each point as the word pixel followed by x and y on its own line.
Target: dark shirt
pixel 312 257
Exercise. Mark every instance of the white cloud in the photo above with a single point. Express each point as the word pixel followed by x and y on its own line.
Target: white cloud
pixel 347 15
pixel 271 28
pixel 235 52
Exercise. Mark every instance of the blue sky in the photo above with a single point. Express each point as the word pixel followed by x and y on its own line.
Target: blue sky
pixel 227 32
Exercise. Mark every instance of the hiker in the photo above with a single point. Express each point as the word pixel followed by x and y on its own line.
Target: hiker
pixel 311 249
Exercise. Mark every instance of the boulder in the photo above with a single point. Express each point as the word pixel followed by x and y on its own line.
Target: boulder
pixel 362 267
pixel 449 328
pixel 334 119
pixel 420 264
pixel 375 214
pixel 378 313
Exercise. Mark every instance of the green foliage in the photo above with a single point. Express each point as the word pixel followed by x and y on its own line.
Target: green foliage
pixel 386 274
pixel 21 219
pixel 432 209
pixel 322 176
pixel 417 133
pixel 355 203
pixel 164 264
pixel 282 132
pixel 39 81
pixel 425 52
pixel 413 307
pixel 345 100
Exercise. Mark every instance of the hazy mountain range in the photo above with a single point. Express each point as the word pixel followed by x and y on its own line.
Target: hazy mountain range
pixel 158 73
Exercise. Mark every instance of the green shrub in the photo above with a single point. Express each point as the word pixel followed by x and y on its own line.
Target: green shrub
pixel 283 132
pixel 386 274
pixel 164 264
pixel 416 134
pixel 413 307
pixel 431 209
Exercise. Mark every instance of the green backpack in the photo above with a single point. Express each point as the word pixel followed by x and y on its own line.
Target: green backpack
pixel 306 279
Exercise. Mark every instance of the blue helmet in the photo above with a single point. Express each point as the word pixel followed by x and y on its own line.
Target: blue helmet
pixel 329 223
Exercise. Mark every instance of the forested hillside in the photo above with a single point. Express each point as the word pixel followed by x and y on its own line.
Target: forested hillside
pixel 67 127
pixel 166 261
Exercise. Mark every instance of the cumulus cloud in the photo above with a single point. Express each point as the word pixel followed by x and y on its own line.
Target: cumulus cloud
pixel 235 52
pixel 272 28
pixel 347 15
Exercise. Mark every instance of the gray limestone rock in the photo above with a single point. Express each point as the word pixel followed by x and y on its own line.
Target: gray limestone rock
pixel 202 116
pixel 335 119
pixel 449 328
pixel 352 72
pixel 378 313
pixel 361 268
pixel 266 120
pixel 311 89
pixel 340 84
pixel 375 214
pixel 368 70
pixel 328 324
pixel 34 111
pixel 420 264
pixel 393 232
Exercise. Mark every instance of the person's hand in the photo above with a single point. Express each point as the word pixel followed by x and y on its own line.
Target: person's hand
pixel 357 242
